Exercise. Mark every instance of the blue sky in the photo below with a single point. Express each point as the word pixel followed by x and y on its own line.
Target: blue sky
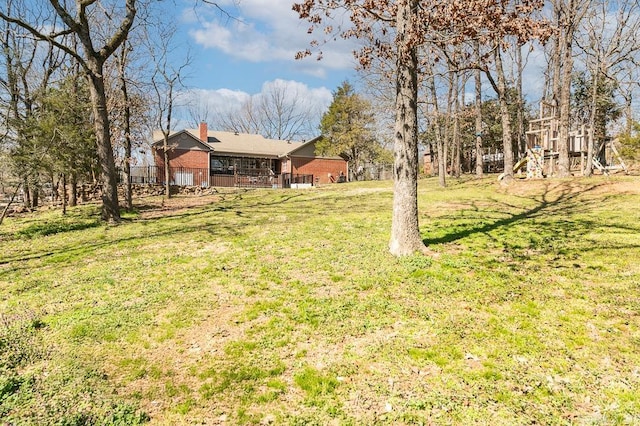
pixel 240 56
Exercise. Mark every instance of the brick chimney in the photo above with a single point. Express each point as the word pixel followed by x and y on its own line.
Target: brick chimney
pixel 203 131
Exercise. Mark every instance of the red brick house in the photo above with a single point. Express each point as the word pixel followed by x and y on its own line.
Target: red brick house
pixel 303 160
pixel 210 158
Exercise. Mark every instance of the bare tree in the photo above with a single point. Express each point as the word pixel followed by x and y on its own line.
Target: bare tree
pixel 567 17
pixel 518 69
pixel 81 21
pixel 478 111
pixel 198 109
pixel 279 112
pixel 629 82
pixel 502 91
pixel 166 79
pixel 438 125
pixel 377 86
pixel 129 102
pixel 405 18
pixel 122 62
pixel 610 41
pixel 413 23
pixel 405 234
pixel 29 65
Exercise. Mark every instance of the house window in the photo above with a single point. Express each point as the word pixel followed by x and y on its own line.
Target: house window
pixel 243 165
pixel 221 165
pixel 216 164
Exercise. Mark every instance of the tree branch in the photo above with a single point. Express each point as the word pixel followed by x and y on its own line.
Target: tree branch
pixel 42 36
pixel 122 32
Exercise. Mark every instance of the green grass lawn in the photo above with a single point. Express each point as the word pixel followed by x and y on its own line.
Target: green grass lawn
pixel 284 307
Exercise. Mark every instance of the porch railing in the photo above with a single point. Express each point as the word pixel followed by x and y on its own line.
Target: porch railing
pixel 185 176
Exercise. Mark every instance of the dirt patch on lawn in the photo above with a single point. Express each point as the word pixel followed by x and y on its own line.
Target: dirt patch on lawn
pixel 178 363
pixel 156 207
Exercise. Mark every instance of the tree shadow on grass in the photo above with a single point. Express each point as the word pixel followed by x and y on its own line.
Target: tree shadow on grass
pixel 567 201
pixel 178 220
pixel 76 250
pixel 51 228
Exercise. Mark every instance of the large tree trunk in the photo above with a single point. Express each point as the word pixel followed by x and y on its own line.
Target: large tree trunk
pixel 447 131
pixel 128 191
pixel 565 107
pixel 441 149
pixel 27 193
pixel 63 178
pixel 110 208
pixel 165 132
pixel 167 170
pixel 553 98
pixel 628 112
pixel 405 234
pixel 455 134
pixel 569 14
pixel 556 65
pixel 73 195
pixel 478 111
pixel 507 138
pixel 520 131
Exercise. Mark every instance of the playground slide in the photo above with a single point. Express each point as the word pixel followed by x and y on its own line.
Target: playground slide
pixel 516 167
pixel 520 164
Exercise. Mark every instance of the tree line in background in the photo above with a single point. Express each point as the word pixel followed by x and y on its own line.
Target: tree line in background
pixel 421 55
pixel 83 84
pixel 475 98
pixel 70 111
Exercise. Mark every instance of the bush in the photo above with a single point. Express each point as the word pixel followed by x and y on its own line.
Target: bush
pixel 630 144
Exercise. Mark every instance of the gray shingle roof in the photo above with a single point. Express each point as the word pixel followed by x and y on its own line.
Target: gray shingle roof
pixel 239 143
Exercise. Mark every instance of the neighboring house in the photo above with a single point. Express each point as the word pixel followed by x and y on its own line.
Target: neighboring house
pixel 210 158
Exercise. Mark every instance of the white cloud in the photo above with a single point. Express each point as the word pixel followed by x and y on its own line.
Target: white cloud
pixel 220 99
pixel 319 98
pixel 267 30
pixel 240 41
pixel 211 102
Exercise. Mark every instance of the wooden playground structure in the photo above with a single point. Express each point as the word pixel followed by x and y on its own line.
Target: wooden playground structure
pixel 543 141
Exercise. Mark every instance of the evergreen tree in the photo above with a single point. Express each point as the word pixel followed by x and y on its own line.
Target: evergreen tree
pixel 60 136
pixel 600 111
pixel 68 108
pixel 630 142
pixel 347 130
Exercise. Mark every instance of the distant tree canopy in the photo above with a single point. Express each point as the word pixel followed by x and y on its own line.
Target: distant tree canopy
pixel 280 112
pixel 57 137
pixel 600 110
pixel 631 143
pixel 347 130
pixel 491 132
pixel 63 124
